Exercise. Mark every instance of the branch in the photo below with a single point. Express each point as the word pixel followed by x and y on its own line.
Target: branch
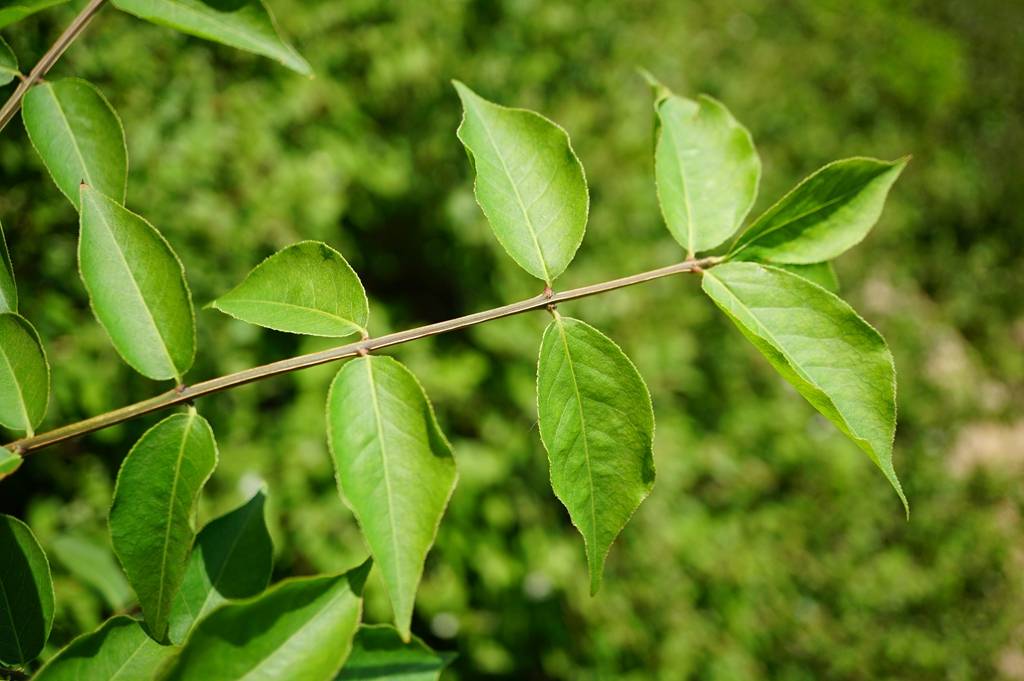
pixel 184 394
pixel 44 65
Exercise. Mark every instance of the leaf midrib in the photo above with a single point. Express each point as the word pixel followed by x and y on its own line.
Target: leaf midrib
pixel 220 571
pixel 86 175
pixel 690 246
pixel 10 616
pixel 19 391
pixel 253 301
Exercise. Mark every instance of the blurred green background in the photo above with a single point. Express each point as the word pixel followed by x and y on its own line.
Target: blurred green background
pixel 771 548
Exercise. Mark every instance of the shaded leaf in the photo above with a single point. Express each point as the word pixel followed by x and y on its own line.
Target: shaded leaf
pixel 24 374
pixel 394 467
pixel 827 213
pixel 8 287
pixel 151 518
pixel 379 654
pixel 305 288
pixel 706 169
pixel 8 62
pixel 821 273
pixel 9 462
pixel 93 564
pixel 232 558
pixel 529 183
pixel 17 10
pixel 119 650
pixel 597 424
pixel 835 359
pixel 26 593
pixel 137 288
pixel 244 24
pixel 79 137
pixel 298 629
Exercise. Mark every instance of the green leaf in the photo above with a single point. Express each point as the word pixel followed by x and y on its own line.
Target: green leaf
pixel 706 170
pixel 529 183
pixel 8 62
pixel 8 287
pixel 26 593
pixel 19 9
pixel 137 288
pixel 244 24
pixel 232 558
pixel 24 374
pixel 93 564
pixel 835 359
pixel 119 650
pixel 79 137
pixel 826 214
pixel 9 462
pixel 151 518
pixel 378 654
pixel 394 467
pixel 820 273
pixel 597 424
pixel 305 288
pixel 299 629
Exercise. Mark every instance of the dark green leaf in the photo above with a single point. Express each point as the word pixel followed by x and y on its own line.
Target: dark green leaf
pixel 597 424
pixel 24 374
pixel 119 650
pixel 529 183
pixel 821 273
pixel 379 654
pixel 835 359
pixel 306 288
pixel 244 24
pixel 299 629
pixel 8 288
pixel 137 288
pixel 16 10
pixel 79 137
pixel 26 593
pixel 825 215
pixel 93 564
pixel 8 62
pixel 232 558
pixel 395 469
pixel 151 518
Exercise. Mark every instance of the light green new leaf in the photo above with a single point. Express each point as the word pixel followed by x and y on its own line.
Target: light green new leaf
pixel 305 288
pixel 232 558
pixel 835 359
pixel 79 137
pixel 299 629
pixel 93 564
pixel 151 518
pixel 706 170
pixel 8 63
pixel 17 10
pixel 244 24
pixel 827 213
pixel 26 593
pixel 119 650
pixel 9 462
pixel 529 183
pixel 137 288
pixel 24 375
pixel 821 273
pixel 379 654
pixel 394 467
pixel 8 287
pixel 597 424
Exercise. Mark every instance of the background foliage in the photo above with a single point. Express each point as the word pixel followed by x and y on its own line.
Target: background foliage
pixel 769 549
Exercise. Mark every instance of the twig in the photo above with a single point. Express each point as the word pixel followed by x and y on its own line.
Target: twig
pixel 186 394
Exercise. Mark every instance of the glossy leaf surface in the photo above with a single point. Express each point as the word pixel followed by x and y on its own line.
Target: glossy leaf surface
pixel 26 593
pixel 8 288
pixel 379 654
pixel 24 374
pixel 119 650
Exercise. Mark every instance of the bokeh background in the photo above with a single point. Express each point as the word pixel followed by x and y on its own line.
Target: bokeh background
pixel 770 548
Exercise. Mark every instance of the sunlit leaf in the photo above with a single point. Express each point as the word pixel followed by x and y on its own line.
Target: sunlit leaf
pixel 8 62
pixel 394 467
pixel 16 10
pixel 827 213
pixel 8 288
pixel 244 24
pixel 597 424
pixel 306 288
pixel 94 565
pixel 821 273
pixel 529 183
pixel 298 629
pixel 232 558
pixel 835 359
pixel 137 288
pixel 379 654
pixel 24 374
pixel 79 137
pixel 9 462
pixel 119 650
pixel 152 515
pixel 26 593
